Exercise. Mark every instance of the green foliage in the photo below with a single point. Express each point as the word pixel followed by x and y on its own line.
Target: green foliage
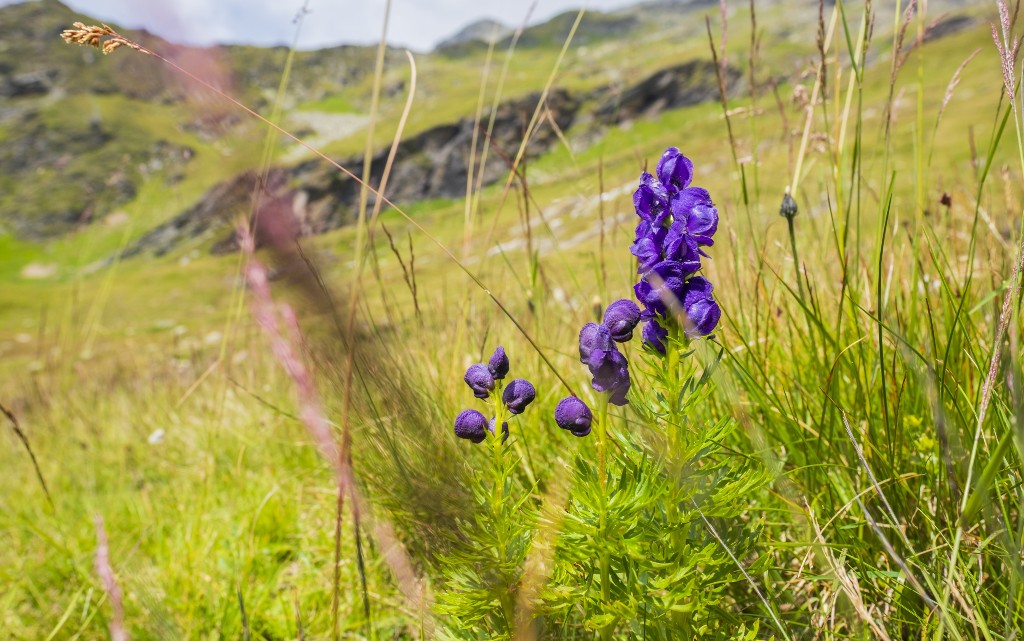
pixel 644 526
pixel 483 570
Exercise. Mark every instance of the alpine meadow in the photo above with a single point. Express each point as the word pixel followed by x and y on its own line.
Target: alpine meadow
pixel 678 320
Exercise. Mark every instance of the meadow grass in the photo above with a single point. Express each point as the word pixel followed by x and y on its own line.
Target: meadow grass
pixel 857 388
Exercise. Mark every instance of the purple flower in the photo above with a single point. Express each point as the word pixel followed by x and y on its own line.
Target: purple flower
pixel 675 171
pixel 647 253
pixel 479 379
pixel 651 200
pixel 682 247
pixel 498 365
pixel 470 425
pixel 655 335
pixel 573 414
pixel 594 337
pixel 518 395
pixel 702 311
pixel 610 370
pixel 659 297
pixel 504 428
pixel 693 208
pixel 620 318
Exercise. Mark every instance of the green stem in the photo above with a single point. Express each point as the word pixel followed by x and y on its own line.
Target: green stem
pixel 672 358
pixel 498 502
pixel 796 258
pixel 602 453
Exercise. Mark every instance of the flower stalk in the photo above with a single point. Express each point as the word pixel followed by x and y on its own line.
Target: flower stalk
pixel 602 534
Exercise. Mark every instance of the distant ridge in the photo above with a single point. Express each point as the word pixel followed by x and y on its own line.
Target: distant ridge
pixel 486 31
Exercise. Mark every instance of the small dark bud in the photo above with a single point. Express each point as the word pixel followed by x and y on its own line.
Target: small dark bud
pixel 788 208
pixel 498 365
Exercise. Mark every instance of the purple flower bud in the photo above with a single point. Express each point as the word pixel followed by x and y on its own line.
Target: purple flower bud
pixel 470 425
pixel 620 318
pixel 504 428
pixel 674 170
pixel 518 395
pixel 702 311
pixel 655 335
pixel 573 414
pixel 594 337
pixel 498 365
pixel 479 379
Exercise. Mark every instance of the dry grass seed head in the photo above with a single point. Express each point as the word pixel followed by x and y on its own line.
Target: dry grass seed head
pixel 93 36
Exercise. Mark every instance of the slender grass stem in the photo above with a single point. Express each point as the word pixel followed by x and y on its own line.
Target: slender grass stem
pixel 796 257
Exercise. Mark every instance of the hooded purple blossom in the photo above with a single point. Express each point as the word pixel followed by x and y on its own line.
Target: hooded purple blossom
pixel 651 200
pixel 470 425
pixel 620 318
pixel 498 364
pixel 675 171
pixel 659 298
pixel 573 414
pixel 655 335
pixel 610 370
pixel 647 252
pixel 518 394
pixel 702 311
pixel 682 247
pixel 479 379
pixel 594 337
pixel 693 208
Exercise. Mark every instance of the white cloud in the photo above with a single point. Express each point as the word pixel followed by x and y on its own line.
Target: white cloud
pixel 418 24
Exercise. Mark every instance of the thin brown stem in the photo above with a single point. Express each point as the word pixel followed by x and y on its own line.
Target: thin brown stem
pixel 28 448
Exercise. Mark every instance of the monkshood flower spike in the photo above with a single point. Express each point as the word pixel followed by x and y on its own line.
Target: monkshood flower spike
pixel 676 222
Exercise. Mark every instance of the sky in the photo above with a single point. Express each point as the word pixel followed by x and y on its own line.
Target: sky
pixel 417 24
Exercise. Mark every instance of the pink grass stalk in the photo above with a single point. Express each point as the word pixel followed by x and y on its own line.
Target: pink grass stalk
pixel 285 344
pixel 266 315
pixel 106 573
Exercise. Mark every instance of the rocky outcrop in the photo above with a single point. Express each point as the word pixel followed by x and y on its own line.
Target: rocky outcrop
pixel 687 84
pixel 432 164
